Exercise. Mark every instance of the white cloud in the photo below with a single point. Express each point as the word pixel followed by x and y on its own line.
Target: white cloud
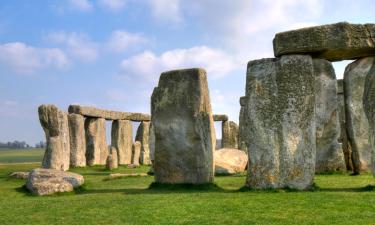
pixel 166 10
pixel 121 40
pixel 113 5
pixel 24 59
pixel 81 5
pixel 78 45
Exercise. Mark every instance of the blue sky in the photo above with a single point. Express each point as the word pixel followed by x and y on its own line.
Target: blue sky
pixel 110 53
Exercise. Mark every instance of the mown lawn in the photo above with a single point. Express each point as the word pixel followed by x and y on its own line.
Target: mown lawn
pixel 340 199
pixel 21 155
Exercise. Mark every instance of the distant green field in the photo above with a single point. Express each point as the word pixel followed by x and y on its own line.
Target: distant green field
pixel 21 155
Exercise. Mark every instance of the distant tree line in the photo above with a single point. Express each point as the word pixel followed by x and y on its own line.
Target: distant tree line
pixel 21 144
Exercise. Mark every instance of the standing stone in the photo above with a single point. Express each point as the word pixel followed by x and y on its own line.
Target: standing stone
pixel 184 128
pixel 136 153
pixel 279 122
pixel 96 150
pixel 77 140
pixel 112 162
pixel 143 136
pixel 368 68
pixel 357 123
pixel 152 143
pixel 343 139
pixel 56 129
pixel 242 145
pixel 122 140
pixel 229 135
pixel 329 154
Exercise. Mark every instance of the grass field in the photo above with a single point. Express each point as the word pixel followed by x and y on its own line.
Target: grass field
pixel 21 155
pixel 339 199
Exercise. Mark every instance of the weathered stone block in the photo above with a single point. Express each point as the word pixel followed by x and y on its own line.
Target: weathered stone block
pixel 112 161
pixel 136 153
pixel 230 161
pixel 122 140
pixel 143 136
pixel 220 117
pixel 96 145
pixel 229 134
pixel 77 140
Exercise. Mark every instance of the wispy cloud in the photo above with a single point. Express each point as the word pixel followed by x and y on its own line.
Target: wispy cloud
pixel 121 40
pixel 80 5
pixel 113 5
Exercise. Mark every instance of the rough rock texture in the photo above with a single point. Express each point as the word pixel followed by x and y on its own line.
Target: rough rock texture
pixel 77 140
pixel 357 123
pixel 242 144
pixel 112 162
pixel 278 122
pixel 229 135
pixel 184 128
pixel 143 136
pixel 56 129
pixel 220 117
pixel 20 175
pixel 329 154
pixel 136 153
pixel 108 114
pixel 343 139
pixel 152 143
pixel 96 145
pixel 368 67
pixel 49 181
pixel 230 161
pixel 122 140
pixel 332 42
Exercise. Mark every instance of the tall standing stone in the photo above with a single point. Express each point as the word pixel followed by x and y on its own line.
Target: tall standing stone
pixel 278 121
pixel 122 140
pixel 357 123
pixel 136 153
pixel 112 160
pixel 229 134
pixel 56 129
pixel 152 143
pixel 368 68
pixel 242 144
pixel 96 150
pixel 143 136
pixel 329 154
pixel 77 140
pixel 184 128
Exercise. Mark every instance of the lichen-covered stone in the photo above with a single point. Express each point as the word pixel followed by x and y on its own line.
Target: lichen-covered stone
pixel 230 161
pixel 136 153
pixel 333 42
pixel 122 140
pixel 152 143
pixel 77 140
pixel 96 144
pixel 112 162
pixel 184 128
pixel 357 123
pixel 329 154
pixel 278 122
pixel 143 136
pixel 229 134
pixel 220 117
pixel 56 129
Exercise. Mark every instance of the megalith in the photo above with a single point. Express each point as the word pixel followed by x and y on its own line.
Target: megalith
pixel 112 160
pixel 56 129
pixel 122 140
pixel 329 154
pixel 229 134
pixel 136 153
pixel 143 136
pixel 357 123
pixel 77 140
pixel 96 145
pixel 184 128
pixel 278 122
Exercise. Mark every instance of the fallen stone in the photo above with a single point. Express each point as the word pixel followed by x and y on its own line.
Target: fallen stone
pixel 229 135
pixel 184 128
pixel 49 181
pixel 357 123
pixel 278 122
pixel 136 153
pixel 132 166
pixel 19 175
pixel 220 117
pixel 143 136
pixel 56 129
pixel 329 154
pixel 230 161
pixel 122 140
pixel 77 140
pixel 96 150
pixel 334 42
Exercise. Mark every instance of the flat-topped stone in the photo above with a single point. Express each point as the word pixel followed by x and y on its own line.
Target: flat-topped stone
pixel 108 114
pixel 220 117
pixel 333 42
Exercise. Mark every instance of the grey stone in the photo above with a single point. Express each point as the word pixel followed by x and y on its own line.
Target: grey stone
pixel 20 175
pixel 136 152
pixel 122 140
pixel 184 128
pixel 230 161
pixel 333 42
pixel 143 136
pixel 278 122
pixel 49 181
pixel 77 140
pixel 243 100
pixel 329 154
pixel 357 123
pixel 112 162
pixel 229 135
pixel 56 129
pixel 220 117
pixel 108 114
pixel 96 144
pixel 152 143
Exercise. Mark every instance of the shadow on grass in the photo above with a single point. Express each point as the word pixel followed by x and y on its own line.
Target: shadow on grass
pixel 368 188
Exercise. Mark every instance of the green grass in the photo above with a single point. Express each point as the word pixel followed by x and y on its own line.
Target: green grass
pixel 339 199
pixel 21 155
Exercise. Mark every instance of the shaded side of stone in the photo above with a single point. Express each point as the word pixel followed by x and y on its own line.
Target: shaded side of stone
pixel 143 136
